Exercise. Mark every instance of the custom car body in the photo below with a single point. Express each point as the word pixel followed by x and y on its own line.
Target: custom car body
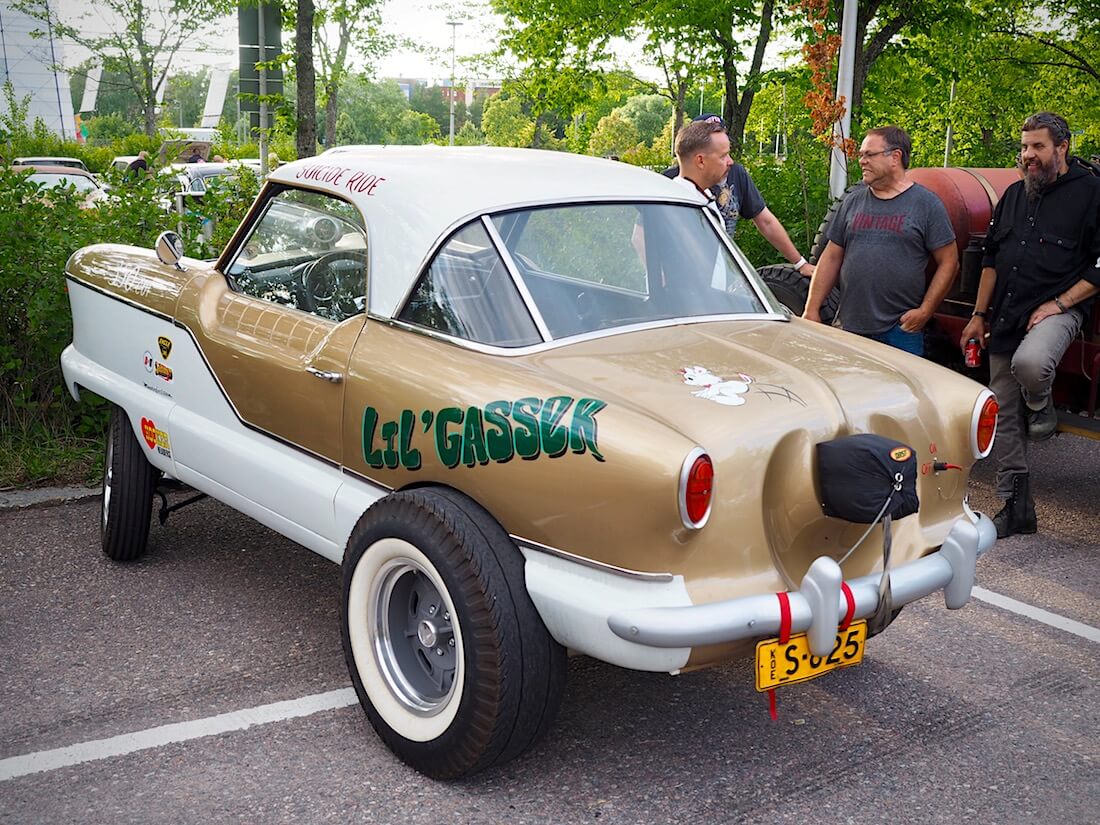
pixel 531 402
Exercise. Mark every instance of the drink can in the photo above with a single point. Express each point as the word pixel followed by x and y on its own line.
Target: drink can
pixel 972 354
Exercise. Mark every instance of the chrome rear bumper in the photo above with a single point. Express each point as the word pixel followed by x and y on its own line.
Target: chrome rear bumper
pixel 818 606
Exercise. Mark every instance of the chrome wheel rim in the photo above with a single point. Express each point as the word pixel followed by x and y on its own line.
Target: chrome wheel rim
pixel 414 637
pixel 108 477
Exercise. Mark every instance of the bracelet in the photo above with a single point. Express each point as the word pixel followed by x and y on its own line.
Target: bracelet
pixel 1058 303
pixel 801 262
pixel 978 314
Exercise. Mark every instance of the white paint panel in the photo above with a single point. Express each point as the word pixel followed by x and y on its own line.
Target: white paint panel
pixel 91 89
pixel 282 487
pixel 574 602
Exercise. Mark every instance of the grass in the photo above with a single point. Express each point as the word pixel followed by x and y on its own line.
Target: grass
pixel 38 458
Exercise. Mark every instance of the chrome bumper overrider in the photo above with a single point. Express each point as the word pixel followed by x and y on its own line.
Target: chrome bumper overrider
pixel 818 606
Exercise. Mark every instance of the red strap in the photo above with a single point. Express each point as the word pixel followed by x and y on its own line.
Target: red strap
pixel 784 618
pixel 784 637
pixel 851 605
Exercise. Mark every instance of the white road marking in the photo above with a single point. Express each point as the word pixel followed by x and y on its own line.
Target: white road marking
pixel 16 766
pixel 41 761
pixel 1038 614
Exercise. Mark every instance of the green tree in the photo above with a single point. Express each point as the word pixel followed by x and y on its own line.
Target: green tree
pixel 413 128
pixel 469 135
pixel 341 26
pixel 614 135
pixel 369 111
pixel 648 113
pixel 142 46
pixel 505 123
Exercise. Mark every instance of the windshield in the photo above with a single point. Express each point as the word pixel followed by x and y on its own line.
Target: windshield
pixel 51 181
pixel 593 267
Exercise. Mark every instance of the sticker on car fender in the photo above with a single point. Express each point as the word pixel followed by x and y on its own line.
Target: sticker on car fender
pixel 497 432
pixel 157 439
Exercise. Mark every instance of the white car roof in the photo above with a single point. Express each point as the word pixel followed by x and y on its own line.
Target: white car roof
pixel 411 195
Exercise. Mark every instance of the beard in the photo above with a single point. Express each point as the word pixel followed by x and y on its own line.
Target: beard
pixel 1038 176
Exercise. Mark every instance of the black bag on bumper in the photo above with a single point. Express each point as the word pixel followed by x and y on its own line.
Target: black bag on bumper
pixel 859 472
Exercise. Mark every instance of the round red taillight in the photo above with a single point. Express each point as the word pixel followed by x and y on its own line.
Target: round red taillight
pixel 985 426
pixel 697 490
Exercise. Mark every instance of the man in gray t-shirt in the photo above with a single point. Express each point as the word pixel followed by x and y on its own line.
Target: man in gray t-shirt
pixel 879 245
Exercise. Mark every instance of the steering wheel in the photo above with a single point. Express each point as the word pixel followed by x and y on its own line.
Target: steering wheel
pixel 335 282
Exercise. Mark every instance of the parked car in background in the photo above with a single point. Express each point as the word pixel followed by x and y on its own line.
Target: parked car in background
pixel 531 402
pixel 72 163
pixel 54 177
pixel 122 162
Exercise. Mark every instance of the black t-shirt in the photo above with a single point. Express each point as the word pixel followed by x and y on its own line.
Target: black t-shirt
pixel 736 197
pixel 139 165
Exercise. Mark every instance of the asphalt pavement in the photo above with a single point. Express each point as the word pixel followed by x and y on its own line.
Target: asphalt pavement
pixel 986 713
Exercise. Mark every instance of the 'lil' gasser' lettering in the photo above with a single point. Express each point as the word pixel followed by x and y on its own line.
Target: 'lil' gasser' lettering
pixel 499 431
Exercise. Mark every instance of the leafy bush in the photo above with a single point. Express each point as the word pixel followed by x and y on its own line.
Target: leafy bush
pixel 37 236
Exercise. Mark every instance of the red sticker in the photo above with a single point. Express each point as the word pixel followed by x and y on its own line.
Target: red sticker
pixel 149 432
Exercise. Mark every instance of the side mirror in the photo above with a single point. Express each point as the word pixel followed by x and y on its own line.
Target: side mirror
pixel 170 249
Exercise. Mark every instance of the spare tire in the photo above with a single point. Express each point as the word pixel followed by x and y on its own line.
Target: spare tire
pixel 821 239
pixel 792 289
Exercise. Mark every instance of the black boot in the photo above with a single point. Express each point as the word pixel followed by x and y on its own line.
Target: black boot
pixel 1018 514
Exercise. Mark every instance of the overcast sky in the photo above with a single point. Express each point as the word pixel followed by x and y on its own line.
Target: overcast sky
pixel 422 21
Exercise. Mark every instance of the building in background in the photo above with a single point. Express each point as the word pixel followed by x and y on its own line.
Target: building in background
pixel 32 66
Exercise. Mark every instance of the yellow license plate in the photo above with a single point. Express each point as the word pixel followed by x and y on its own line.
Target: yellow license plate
pixel 778 664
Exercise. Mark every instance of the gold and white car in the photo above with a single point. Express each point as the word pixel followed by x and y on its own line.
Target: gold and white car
pixel 533 403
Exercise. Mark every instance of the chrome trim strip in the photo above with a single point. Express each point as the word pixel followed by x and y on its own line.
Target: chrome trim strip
pixel 385 488
pixel 488 349
pixel 681 493
pixel 530 544
pixel 517 279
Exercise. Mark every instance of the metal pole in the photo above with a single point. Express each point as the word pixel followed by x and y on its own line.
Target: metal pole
pixel 949 139
pixel 838 167
pixel 454 24
pixel 263 92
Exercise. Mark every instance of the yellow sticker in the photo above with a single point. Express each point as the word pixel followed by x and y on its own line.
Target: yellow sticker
pixel 165 345
pixel 900 453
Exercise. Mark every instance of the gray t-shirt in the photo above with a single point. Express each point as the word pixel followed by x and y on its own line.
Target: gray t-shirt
pixel 886 250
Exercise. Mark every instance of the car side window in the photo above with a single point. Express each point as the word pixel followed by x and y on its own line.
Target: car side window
pixel 307 251
pixel 468 293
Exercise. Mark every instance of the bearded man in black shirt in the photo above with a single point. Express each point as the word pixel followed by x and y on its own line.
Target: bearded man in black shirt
pixel 1040 269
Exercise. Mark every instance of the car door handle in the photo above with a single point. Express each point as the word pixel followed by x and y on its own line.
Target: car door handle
pixel 324 375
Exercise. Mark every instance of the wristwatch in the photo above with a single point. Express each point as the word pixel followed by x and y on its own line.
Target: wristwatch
pixel 1058 303
pixel 978 314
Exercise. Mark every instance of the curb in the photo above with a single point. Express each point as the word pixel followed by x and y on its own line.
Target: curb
pixel 44 497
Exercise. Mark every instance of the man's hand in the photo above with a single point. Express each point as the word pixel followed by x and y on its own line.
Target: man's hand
pixel 914 320
pixel 812 315
pixel 807 270
pixel 1042 312
pixel 974 329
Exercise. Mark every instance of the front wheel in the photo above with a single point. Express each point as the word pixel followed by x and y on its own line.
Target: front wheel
pixel 449 658
pixel 128 484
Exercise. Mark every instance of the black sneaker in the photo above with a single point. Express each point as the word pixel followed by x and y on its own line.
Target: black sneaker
pixel 1041 424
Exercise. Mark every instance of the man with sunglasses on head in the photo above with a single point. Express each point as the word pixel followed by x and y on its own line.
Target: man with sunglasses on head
pixel 734 195
pixel 878 248
pixel 1040 269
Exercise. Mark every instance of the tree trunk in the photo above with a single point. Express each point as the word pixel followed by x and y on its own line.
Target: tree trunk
pixel 307 82
pixel 735 110
pixel 330 116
